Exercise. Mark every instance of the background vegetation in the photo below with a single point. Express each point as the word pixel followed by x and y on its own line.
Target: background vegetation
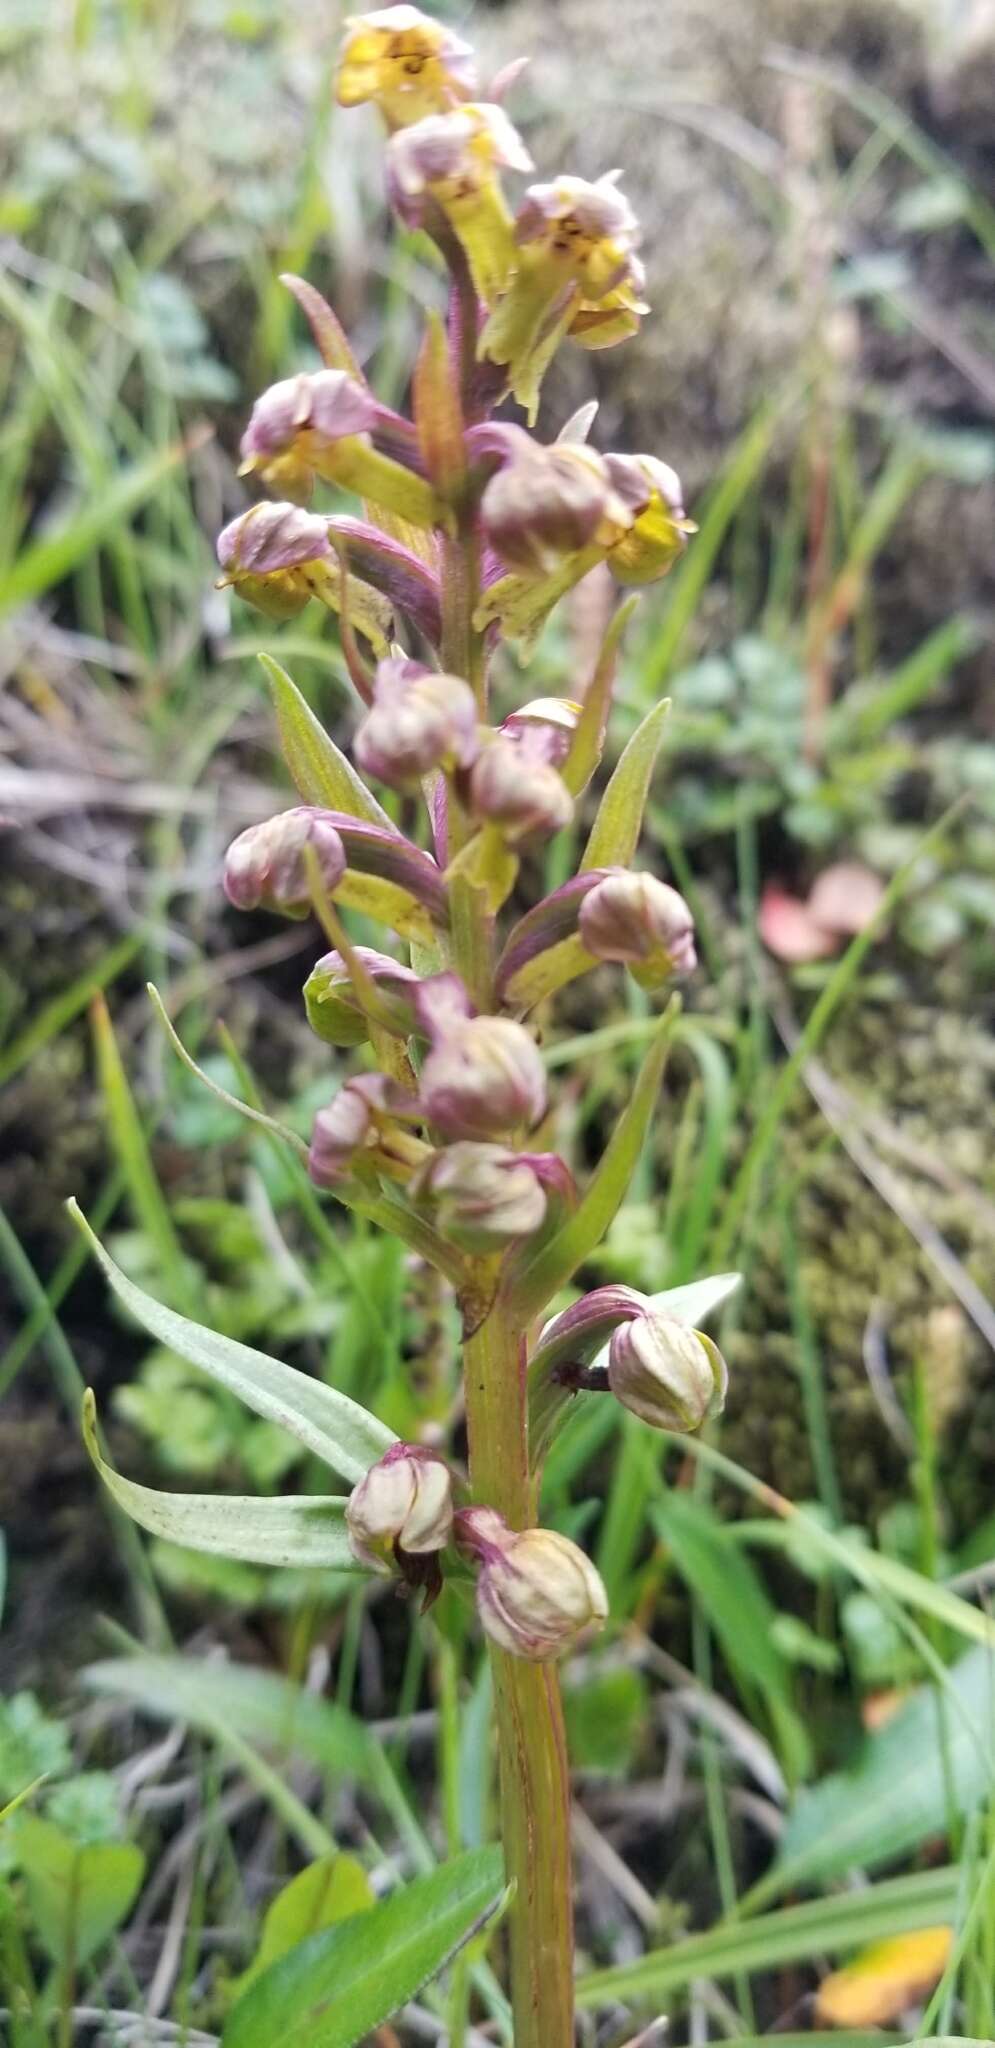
pixel 784 1746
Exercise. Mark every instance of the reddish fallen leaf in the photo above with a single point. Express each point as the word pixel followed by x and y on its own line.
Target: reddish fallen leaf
pixel 885 1980
pixel 845 897
pixel 881 1707
pixel 789 930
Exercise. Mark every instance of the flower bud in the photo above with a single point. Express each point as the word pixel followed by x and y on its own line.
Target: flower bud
pixel 265 867
pixel 548 724
pixel 407 63
pixel 419 721
pixel 642 922
pixel 537 1593
pixel 329 998
pixel 544 504
pixel 485 1197
pixel 269 555
pixel 402 1508
pixel 669 1375
pixel 483 1077
pixel 514 788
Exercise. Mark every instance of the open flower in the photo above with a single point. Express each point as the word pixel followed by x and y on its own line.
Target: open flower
pixel 402 1508
pixel 650 544
pixel 363 1119
pixel 453 160
pixel 320 424
pixel 408 64
pixel 548 724
pixel 548 503
pixel 419 721
pixel 308 425
pixel 537 1593
pixel 276 557
pixel 575 272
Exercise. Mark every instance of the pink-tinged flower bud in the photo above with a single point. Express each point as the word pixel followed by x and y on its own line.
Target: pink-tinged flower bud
pixel 548 724
pixel 329 998
pixel 270 555
pixel 537 1594
pixel 483 1077
pixel 407 63
pixel 402 1508
pixel 544 504
pixel 668 1375
pixel 484 1197
pixel 642 922
pixel 265 867
pixel 419 721
pixel 514 788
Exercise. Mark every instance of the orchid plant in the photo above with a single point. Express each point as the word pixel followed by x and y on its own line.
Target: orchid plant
pixel 469 532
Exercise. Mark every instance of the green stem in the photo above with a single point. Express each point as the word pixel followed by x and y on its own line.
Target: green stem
pixel 535 1784
pixel 532 1754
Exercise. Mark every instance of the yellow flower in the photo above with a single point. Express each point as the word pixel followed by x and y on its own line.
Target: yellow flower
pixel 319 423
pixel 640 532
pixel 452 159
pixel 575 272
pixel 408 64
pixel 650 546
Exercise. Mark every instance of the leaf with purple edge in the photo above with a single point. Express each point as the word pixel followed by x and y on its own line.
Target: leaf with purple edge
pixel 530 1287
pixel 543 950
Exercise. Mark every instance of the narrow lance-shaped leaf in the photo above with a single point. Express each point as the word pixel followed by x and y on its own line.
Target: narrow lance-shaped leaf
pixel 337 1430
pixel 296 1530
pixel 553 1265
pixel 733 1598
pixel 319 770
pixel 589 733
pixel 826 1926
pixel 329 335
pixel 438 415
pixel 251 1706
pixel 334 1988
pixel 616 829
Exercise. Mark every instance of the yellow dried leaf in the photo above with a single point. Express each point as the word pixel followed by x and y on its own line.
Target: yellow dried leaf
pixel 884 1980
